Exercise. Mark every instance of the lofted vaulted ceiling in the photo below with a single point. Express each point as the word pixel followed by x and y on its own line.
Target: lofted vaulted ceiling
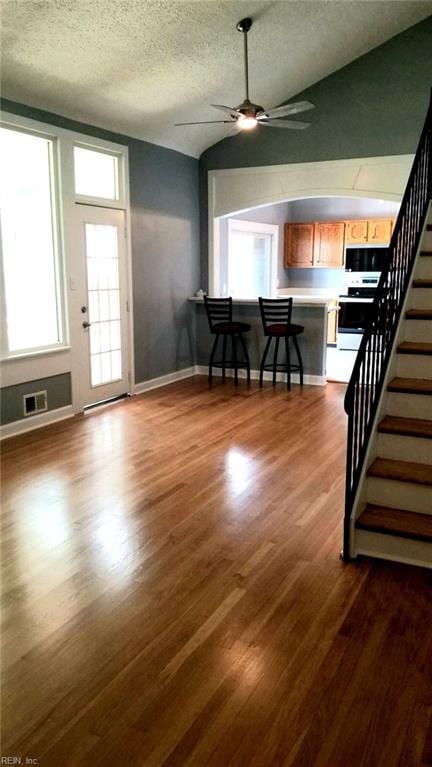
pixel 139 66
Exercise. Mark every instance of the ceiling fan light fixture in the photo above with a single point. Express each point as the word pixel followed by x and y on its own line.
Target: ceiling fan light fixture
pixel 247 115
pixel 247 123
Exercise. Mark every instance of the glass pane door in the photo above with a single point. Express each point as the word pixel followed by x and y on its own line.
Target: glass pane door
pixel 103 284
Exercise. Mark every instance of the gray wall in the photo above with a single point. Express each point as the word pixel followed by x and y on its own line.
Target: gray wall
pixel 58 389
pixel 165 242
pixel 374 106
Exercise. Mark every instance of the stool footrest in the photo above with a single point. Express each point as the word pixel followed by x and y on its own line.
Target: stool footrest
pixel 230 364
pixel 281 367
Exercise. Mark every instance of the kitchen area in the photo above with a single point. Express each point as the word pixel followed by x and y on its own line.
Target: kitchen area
pixel 325 252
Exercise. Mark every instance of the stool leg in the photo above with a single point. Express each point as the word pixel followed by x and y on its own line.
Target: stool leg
pixel 275 358
pixel 245 352
pixel 213 351
pixel 300 361
pixel 288 363
pixel 263 360
pixel 234 352
pixel 224 343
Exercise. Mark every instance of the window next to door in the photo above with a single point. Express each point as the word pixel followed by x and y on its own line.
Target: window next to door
pixel 48 173
pixel 33 317
pixel 250 268
pixel 45 172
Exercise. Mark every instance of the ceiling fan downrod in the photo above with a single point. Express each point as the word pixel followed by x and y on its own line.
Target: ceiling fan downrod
pixel 244 26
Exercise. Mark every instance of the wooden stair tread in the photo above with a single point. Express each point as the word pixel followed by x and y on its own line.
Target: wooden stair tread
pixel 419 314
pixel 401 471
pixel 407 427
pixel 426 253
pixel 404 524
pixel 414 347
pixel 411 385
pixel 422 283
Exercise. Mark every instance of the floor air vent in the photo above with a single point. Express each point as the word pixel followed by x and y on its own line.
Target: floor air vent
pixel 35 403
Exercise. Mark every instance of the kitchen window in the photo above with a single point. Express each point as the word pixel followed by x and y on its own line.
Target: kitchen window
pixel 32 314
pixel 252 259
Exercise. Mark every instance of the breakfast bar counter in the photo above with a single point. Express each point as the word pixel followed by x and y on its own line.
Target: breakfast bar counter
pixel 310 309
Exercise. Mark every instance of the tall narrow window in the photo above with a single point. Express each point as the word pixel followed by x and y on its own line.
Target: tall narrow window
pixel 251 259
pixel 29 250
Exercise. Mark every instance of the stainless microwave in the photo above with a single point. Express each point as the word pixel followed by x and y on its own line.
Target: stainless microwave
pixel 365 259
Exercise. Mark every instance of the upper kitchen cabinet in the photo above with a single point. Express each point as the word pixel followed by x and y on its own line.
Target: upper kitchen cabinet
pixel 376 231
pixel 379 231
pixel 329 244
pixel 299 245
pixel 356 232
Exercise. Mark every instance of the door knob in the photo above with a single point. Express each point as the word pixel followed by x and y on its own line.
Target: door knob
pixel 86 324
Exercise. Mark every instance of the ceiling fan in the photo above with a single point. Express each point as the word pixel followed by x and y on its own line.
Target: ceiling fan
pixel 248 115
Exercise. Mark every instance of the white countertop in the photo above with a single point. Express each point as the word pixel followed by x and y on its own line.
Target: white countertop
pixel 300 296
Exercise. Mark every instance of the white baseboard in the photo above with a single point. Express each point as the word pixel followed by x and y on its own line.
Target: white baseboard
pixel 51 416
pixel 35 421
pixel 311 380
pixel 155 383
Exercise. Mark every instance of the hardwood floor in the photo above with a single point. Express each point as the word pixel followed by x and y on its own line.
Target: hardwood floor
pixel 173 593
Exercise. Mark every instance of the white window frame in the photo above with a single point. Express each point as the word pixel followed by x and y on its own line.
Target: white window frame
pixel 19 368
pixel 59 256
pixel 119 201
pixel 238 225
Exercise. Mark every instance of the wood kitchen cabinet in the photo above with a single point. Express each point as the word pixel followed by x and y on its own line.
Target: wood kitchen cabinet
pixel 299 245
pixel 356 232
pixel 375 231
pixel 322 244
pixel 329 244
pixel 380 231
pixel 319 244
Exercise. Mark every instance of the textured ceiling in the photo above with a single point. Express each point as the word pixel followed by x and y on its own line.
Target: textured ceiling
pixel 138 66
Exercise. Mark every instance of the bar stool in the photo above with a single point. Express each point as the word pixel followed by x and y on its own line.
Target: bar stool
pixel 276 320
pixel 219 314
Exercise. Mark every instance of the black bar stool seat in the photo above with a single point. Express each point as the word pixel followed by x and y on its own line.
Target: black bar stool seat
pixel 280 330
pixel 219 315
pixel 276 320
pixel 227 328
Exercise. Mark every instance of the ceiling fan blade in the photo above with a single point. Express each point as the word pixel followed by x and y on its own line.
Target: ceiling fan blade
pixel 287 109
pixel 208 122
pixel 293 124
pixel 229 110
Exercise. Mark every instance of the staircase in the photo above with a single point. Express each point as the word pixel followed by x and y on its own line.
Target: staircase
pixel 396 520
pixel 388 508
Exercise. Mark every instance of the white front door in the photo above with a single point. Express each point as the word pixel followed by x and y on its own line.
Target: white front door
pixel 100 331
